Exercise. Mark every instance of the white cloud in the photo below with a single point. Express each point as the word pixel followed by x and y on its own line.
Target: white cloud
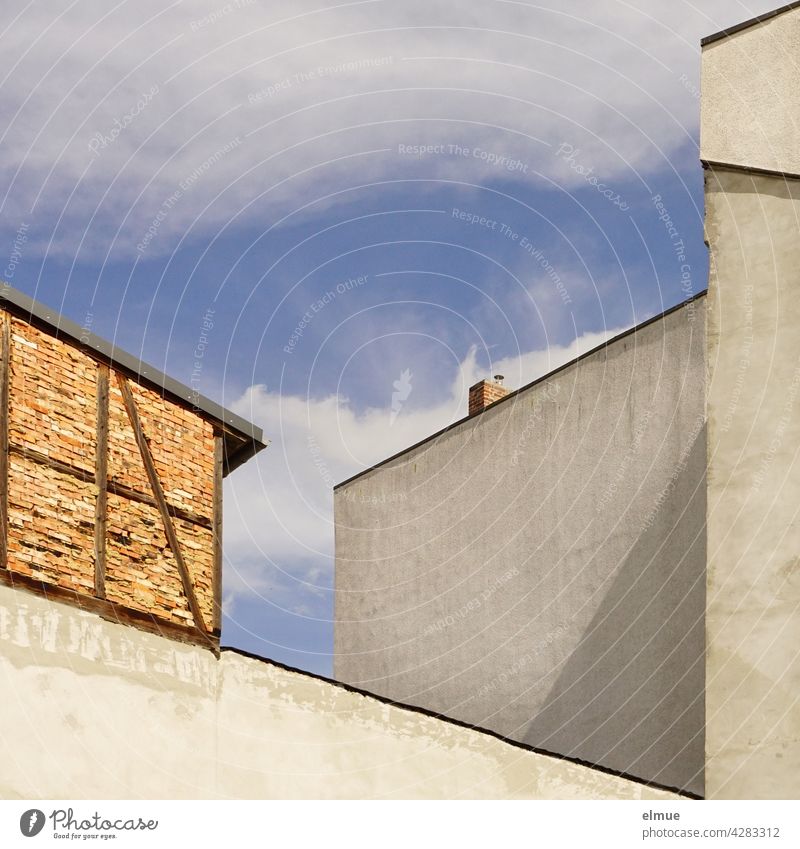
pixel 279 507
pixel 312 90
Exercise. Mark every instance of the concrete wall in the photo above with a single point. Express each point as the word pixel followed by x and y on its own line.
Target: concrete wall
pixel 539 569
pixel 753 697
pixel 751 110
pixel 751 97
pixel 94 710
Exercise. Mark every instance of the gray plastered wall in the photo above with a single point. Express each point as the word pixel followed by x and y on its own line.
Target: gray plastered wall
pixel 538 569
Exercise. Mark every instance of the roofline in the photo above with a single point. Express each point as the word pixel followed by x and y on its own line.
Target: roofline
pixel 715 165
pixel 525 388
pixel 34 312
pixel 759 19
pixel 687 794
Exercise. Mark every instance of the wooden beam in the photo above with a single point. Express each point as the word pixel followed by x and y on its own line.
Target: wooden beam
pixel 5 377
pixel 176 512
pixel 44 460
pixel 216 581
pixel 101 479
pixel 161 502
pixel 109 610
pixel 113 486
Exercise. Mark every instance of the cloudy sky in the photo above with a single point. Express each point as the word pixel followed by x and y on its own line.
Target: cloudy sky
pixel 363 193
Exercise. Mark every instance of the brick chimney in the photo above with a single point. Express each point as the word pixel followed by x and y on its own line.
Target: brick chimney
pixel 486 392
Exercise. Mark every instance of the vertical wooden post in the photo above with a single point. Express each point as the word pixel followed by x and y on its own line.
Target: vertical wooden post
pixel 216 580
pixel 5 377
pixel 101 479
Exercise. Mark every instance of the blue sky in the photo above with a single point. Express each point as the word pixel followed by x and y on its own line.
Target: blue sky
pixel 357 190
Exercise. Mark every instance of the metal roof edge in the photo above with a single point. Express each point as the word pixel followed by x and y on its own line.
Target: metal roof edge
pixel 602 346
pixel 62 327
pixel 759 19
pixel 715 165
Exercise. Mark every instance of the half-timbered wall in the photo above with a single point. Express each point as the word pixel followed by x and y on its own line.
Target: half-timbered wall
pixel 108 491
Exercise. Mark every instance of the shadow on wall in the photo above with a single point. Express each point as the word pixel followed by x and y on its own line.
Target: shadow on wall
pixel 631 695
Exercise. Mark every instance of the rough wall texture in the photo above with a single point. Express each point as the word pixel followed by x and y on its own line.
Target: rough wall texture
pixel 751 97
pixel 753 666
pixel 182 445
pixel 53 390
pixel 51 512
pixel 76 689
pixel 142 570
pixel 50 525
pixel 751 103
pixel 542 574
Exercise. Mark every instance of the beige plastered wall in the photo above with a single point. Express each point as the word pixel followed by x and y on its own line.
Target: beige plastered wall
pixel 750 99
pixel 753 598
pixel 751 109
pixel 95 710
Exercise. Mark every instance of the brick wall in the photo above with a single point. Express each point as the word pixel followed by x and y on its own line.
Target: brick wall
pixel 52 492
pixel 50 525
pixel 52 394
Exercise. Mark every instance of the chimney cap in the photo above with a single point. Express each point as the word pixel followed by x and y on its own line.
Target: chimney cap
pixel 499 378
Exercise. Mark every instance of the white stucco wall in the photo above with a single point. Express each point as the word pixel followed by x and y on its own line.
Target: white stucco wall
pixel 751 97
pixel 91 709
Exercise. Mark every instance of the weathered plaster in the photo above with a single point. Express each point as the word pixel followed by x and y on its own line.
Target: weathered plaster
pixel 94 710
pixel 753 617
pixel 751 97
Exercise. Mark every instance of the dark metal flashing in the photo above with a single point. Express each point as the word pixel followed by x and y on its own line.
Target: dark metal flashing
pixel 458 723
pixel 760 19
pixel 235 452
pixel 712 165
pixel 549 376
pixel 243 439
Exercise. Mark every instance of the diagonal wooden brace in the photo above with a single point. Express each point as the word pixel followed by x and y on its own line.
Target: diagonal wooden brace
pixel 161 501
